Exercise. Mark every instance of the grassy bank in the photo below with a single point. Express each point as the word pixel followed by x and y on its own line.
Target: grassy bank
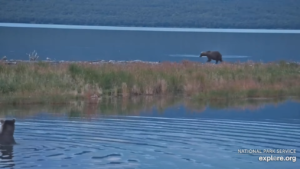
pixel 203 81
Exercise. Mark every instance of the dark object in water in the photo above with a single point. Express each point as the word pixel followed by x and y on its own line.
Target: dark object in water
pixel 212 55
pixel 7 132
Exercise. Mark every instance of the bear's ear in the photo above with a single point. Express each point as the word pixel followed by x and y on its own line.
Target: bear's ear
pixel 2 121
pixel 13 120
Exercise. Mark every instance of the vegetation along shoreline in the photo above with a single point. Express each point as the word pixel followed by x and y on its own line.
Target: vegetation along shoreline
pixel 64 81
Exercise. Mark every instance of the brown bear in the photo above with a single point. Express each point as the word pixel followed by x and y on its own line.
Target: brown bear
pixel 212 55
pixel 7 130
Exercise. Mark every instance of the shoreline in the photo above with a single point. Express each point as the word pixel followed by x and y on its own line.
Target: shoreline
pixel 93 81
pixel 99 62
pixel 14 62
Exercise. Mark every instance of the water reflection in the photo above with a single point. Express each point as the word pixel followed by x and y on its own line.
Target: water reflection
pixel 7 156
pixel 135 106
pixel 152 132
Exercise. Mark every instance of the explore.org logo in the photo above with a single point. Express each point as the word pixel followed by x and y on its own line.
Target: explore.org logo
pixel 277 158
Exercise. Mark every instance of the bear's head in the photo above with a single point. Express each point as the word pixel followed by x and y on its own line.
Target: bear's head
pixel 7 127
pixel 204 53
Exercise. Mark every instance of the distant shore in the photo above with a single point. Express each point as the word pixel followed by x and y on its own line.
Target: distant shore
pixel 255 14
pixel 93 81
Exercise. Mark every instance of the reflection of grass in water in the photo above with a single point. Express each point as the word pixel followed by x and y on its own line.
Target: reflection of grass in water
pixel 23 111
pixel 251 93
pixel 247 103
pixel 243 103
pixel 75 113
pixel 53 99
pixel 195 105
pixel 54 83
pixel 131 106
pixel 136 104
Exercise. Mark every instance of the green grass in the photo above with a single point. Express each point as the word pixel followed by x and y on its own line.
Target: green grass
pixel 203 81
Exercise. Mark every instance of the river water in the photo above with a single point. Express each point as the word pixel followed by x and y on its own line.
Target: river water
pixel 152 133
pixel 65 42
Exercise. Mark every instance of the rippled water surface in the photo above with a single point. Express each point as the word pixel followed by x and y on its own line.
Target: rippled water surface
pixel 168 134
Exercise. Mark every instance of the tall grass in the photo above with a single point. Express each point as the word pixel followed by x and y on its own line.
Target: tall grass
pixel 205 81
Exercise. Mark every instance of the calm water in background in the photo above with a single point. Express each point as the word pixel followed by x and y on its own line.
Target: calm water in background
pixel 63 42
pixel 149 132
pixel 152 133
